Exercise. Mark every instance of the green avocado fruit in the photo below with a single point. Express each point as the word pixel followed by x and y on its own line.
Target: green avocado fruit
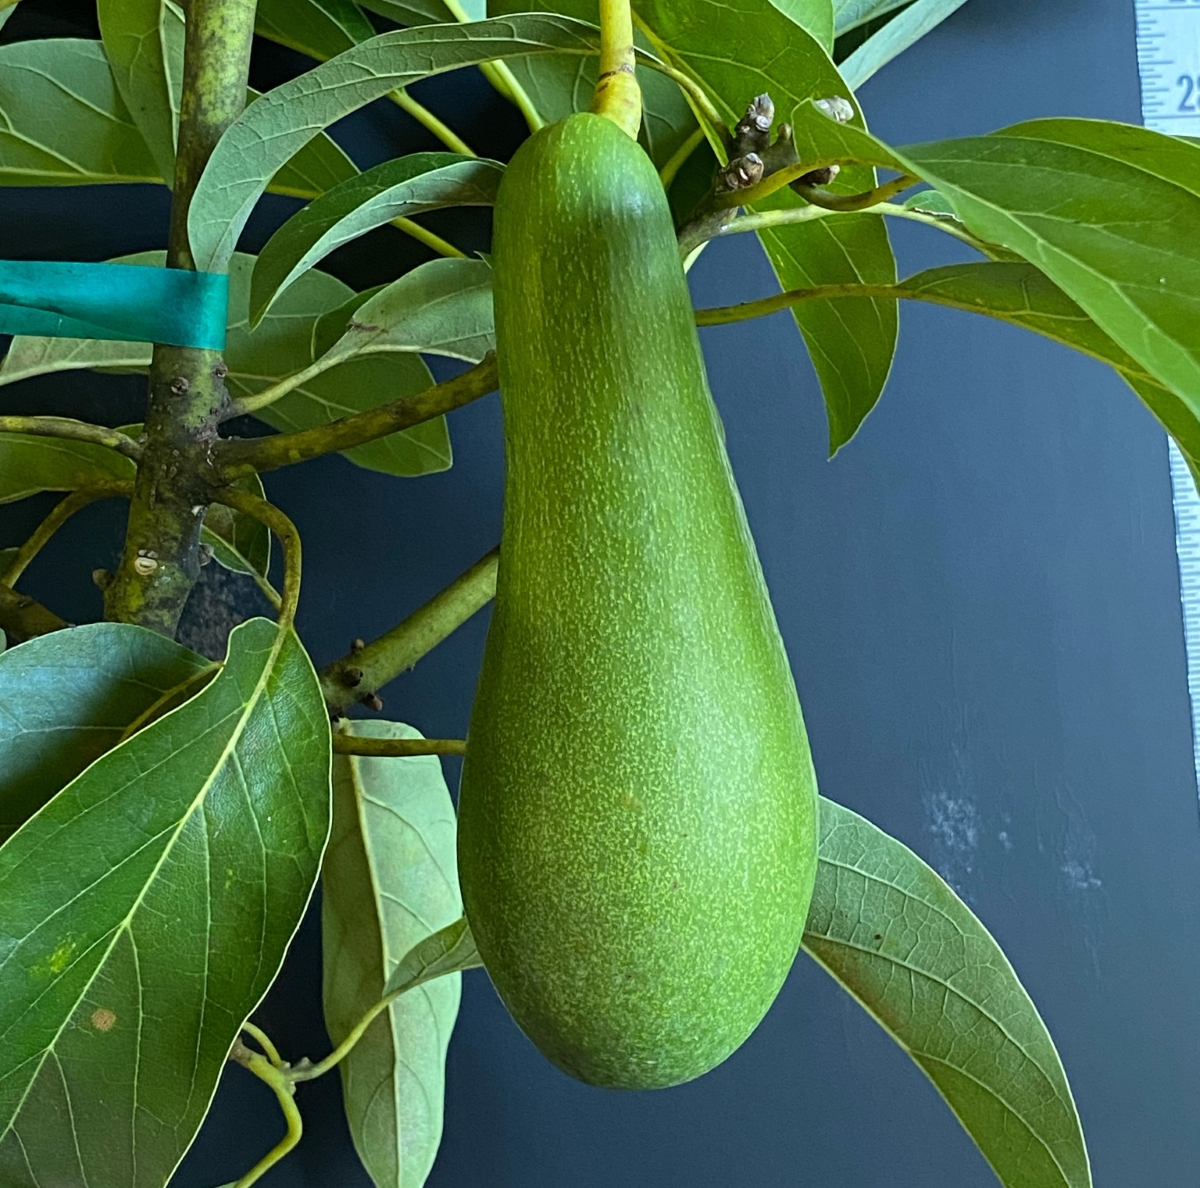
pixel 637 814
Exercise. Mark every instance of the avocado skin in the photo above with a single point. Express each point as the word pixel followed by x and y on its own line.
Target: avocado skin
pixel 637 812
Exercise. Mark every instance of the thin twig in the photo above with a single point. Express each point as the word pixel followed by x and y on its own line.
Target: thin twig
pixel 264 1041
pixel 396 748
pixel 309 1072
pixel 59 515
pixel 22 618
pixel 283 1087
pixel 679 157
pixel 430 122
pixel 368 669
pixel 704 106
pixel 235 457
pixel 846 203
pixel 73 430
pixel 289 539
pixel 430 239
pixel 722 315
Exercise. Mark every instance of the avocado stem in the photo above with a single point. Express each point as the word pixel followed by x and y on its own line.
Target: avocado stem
pixel 618 96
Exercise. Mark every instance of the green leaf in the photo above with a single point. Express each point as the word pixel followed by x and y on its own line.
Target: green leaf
pixel 1109 212
pixel 887 927
pixel 319 28
pixel 1023 296
pixel 559 86
pixel 931 202
pixel 848 14
pixel 895 37
pixel 762 50
pixel 276 126
pixel 4 15
pixel 146 909
pixel 68 697
pixel 29 356
pixel 281 346
pixel 319 166
pixel 397 188
pixel 443 307
pixel 449 950
pixel 29 464
pixel 239 542
pixel 144 43
pixel 389 880
pixel 65 123
pixel 815 17
pixel 64 120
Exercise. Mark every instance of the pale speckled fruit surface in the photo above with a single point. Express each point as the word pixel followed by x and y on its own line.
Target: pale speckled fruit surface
pixel 637 830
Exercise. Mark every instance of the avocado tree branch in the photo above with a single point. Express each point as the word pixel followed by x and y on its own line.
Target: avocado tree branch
pixel 729 222
pixel 187 394
pixel 72 430
pixel 846 203
pixel 22 618
pixel 61 513
pixel 235 457
pixel 791 175
pixel 396 748
pixel 365 670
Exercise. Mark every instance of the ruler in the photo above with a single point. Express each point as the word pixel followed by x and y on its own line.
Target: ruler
pixel 1168 52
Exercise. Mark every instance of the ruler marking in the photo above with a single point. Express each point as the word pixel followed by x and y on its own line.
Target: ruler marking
pixel 1168 38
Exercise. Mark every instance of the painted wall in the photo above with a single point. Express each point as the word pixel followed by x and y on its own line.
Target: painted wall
pixel 980 600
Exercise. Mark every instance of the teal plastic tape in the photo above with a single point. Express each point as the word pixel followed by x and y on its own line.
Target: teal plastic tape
pixel 126 302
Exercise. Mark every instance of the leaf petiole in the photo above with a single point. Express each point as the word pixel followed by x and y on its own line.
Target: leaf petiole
pixel 59 515
pixel 282 1086
pixel 396 748
pixel 268 514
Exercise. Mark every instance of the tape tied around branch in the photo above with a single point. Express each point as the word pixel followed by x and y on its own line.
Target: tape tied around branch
pixel 125 302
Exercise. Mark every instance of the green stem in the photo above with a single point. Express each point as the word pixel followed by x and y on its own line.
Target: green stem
pixel 792 173
pixel 429 121
pixel 235 457
pixel 947 225
pixel 700 232
pixel 667 173
pixel 268 514
pixel 187 394
pixel 396 748
pixel 312 1071
pixel 61 513
pixel 618 96
pixel 264 1041
pixel 282 1086
pixel 723 315
pixel 503 79
pixel 428 238
pixel 499 75
pixel 22 618
pixel 846 203
pixel 371 667
pixel 73 431
pixel 700 98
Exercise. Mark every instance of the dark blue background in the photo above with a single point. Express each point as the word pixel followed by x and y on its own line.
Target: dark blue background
pixel 980 599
